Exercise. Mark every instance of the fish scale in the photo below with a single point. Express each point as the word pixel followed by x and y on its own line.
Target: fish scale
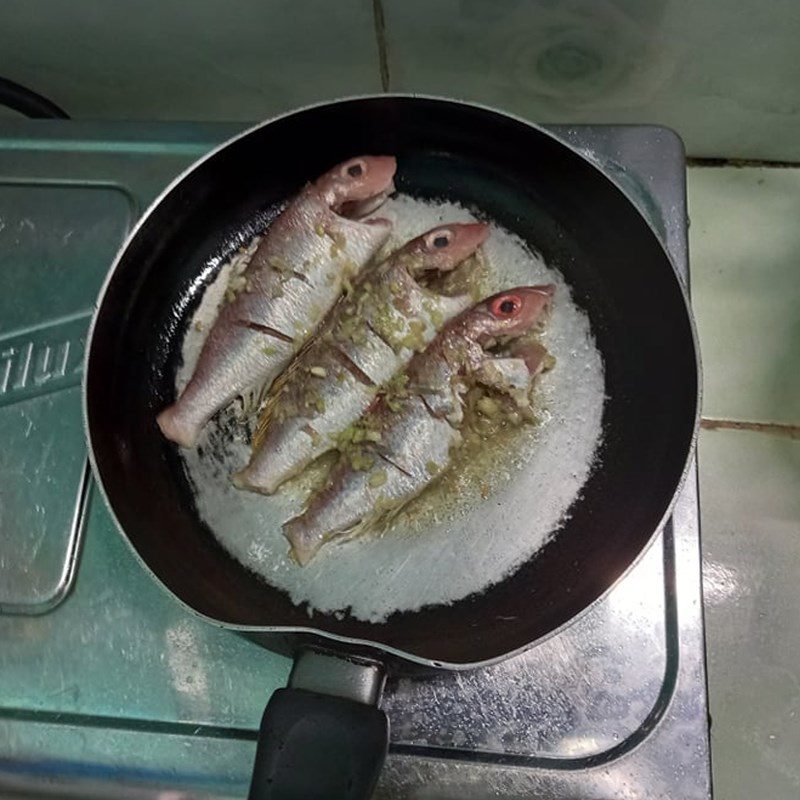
pixel 370 337
pixel 416 430
pixel 293 279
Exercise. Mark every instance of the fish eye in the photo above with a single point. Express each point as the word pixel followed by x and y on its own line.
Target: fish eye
pixel 506 306
pixel 439 239
pixel 355 170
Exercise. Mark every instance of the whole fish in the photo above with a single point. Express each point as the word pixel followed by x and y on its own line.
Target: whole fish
pixel 370 336
pixel 293 279
pixel 409 433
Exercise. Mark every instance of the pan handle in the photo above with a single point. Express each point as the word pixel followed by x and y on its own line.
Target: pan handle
pixel 324 736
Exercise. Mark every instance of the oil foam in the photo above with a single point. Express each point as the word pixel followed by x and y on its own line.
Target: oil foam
pixel 481 522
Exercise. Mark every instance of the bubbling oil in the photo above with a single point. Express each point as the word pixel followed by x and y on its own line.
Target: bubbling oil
pixel 504 496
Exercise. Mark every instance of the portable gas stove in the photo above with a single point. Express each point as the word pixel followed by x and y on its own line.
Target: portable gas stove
pixel 104 678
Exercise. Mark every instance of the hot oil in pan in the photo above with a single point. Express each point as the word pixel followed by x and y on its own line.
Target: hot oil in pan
pixel 501 501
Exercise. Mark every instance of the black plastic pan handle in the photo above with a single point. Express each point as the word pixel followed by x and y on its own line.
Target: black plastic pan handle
pixel 323 737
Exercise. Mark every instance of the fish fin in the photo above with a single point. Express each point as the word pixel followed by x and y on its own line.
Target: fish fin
pixel 374 523
pixel 509 376
pixel 266 412
pixel 387 515
pixel 269 396
pixel 249 400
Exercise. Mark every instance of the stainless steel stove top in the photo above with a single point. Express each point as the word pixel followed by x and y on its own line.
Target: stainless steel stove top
pixel 111 681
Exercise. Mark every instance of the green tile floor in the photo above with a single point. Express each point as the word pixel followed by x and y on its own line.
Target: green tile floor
pixel 745 252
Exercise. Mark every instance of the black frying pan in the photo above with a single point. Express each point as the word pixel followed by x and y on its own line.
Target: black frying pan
pixel 323 737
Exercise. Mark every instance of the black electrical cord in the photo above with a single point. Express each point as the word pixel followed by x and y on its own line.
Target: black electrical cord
pixel 28 103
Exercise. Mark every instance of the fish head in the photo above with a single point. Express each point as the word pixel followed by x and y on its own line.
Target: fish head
pixel 358 186
pixel 445 247
pixel 510 314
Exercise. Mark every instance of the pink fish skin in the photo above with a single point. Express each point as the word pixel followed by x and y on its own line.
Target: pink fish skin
pixel 409 437
pixel 293 279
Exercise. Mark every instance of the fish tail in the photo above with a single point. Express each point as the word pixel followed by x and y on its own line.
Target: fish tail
pixel 306 535
pixel 249 480
pixel 304 542
pixel 177 427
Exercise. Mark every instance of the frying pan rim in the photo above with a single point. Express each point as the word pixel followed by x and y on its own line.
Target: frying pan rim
pixel 349 641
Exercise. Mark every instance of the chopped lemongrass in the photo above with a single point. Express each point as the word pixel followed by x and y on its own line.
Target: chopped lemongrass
pixel 377 479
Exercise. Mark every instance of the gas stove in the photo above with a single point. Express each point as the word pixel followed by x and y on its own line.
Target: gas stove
pixel 104 678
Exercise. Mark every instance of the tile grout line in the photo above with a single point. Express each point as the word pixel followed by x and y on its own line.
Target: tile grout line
pixel 777 428
pixel 379 20
pixel 695 161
